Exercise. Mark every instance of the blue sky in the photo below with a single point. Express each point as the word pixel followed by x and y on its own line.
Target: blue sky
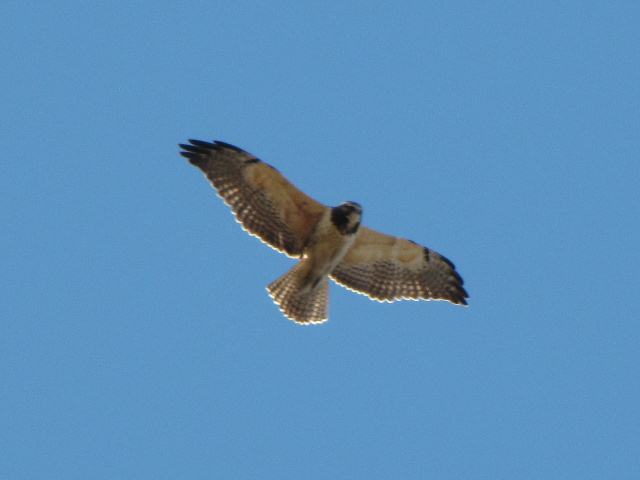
pixel 136 337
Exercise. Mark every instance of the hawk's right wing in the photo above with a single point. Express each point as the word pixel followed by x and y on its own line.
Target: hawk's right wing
pixel 388 268
pixel 264 202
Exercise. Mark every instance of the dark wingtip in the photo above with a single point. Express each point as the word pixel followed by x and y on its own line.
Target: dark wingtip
pixel 458 278
pixel 458 295
pixel 464 295
pixel 229 146
pixel 457 290
pixel 190 148
pixel 195 154
pixel 197 151
pixel 460 290
pixel 199 161
pixel 202 144
pixel 448 262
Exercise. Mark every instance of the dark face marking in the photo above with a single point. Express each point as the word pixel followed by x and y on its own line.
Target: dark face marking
pixel 354 228
pixel 340 218
pixel 346 218
pixel 252 160
pixel 426 254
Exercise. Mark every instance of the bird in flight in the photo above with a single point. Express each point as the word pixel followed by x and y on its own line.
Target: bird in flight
pixel 329 241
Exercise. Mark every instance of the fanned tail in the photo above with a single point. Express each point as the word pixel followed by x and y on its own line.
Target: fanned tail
pixel 298 300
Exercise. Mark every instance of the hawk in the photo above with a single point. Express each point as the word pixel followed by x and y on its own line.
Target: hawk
pixel 329 241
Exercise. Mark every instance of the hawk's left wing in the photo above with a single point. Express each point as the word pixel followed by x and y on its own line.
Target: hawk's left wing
pixel 387 268
pixel 264 202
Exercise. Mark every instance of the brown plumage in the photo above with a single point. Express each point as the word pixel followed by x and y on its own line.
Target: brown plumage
pixel 265 203
pixel 387 268
pixel 300 304
pixel 329 241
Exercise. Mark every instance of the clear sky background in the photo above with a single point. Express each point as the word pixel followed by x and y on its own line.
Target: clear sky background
pixel 136 336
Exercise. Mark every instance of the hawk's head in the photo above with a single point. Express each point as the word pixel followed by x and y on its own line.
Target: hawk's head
pixel 346 217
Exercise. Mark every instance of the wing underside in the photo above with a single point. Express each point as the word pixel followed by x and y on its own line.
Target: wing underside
pixel 387 268
pixel 264 202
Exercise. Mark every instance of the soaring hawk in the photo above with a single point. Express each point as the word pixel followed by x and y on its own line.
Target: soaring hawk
pixel 329 241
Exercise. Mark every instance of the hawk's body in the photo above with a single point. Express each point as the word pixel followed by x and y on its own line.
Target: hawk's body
pixel 329 241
